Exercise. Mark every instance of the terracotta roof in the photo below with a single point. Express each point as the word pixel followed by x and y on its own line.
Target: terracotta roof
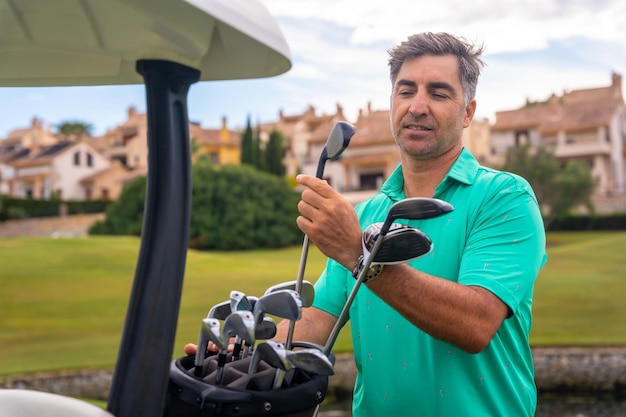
pixel 575 110
pixel 42 157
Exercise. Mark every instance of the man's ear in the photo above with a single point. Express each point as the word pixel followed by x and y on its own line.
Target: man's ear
pixel 469 113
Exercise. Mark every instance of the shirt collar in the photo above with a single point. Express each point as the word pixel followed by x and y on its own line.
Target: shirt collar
pixel 463 170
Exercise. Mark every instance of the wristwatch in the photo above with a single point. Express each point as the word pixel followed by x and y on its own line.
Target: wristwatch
pixel 372 272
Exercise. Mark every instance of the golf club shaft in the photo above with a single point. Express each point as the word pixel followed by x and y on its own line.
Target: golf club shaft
pixel 298 288
pixel 359 280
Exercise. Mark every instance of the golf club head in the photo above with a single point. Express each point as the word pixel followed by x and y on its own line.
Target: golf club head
pixel 337 142
pixel 416 208
pixel 311 360
pixel 286 304
pixel 209 332
pixel 273 353
pixel 220 311
pixel 401 244
pixel 307 292
pixel 266 329
pixel 241 324
pixel 239 302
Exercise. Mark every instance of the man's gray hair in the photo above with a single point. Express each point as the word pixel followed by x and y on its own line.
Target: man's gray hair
pixel 440 44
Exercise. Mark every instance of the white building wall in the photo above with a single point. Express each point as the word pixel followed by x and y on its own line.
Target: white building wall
pixel 66 176
pixel 617 133
pixel 6 173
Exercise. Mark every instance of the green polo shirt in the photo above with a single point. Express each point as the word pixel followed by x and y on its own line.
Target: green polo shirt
pixel 494 239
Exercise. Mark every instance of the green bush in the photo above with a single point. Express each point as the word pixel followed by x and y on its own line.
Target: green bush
pixel 16 213
pixel 26 208
pixel 581 223
pixel 239 207
pixel 124 216
pixel 232 208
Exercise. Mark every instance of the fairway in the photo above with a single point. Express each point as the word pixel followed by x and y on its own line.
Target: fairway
pixel 63 301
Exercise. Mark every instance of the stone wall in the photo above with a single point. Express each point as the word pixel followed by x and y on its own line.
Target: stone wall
pixel 66 226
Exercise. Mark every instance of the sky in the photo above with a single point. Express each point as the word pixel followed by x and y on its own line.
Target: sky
pixel 533 48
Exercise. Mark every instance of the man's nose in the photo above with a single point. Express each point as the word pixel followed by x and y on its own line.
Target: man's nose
pixel 419 105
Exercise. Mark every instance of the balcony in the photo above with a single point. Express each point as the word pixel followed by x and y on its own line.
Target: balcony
pixel 573 150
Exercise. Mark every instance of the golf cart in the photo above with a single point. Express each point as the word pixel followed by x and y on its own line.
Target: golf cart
pixel 166 45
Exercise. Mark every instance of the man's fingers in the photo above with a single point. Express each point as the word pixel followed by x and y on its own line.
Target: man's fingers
pixel 320 187
pixel 190 349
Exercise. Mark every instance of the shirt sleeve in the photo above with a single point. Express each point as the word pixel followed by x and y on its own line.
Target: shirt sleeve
pixel 331 289
pixel 506 244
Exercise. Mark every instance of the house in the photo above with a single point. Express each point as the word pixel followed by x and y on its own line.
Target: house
pixel 587 125
pixel 34 135
pixel 109 183
pixel 43 172
pixel 220 146
pixel 372 155
pixel 127 142
pixel 298 130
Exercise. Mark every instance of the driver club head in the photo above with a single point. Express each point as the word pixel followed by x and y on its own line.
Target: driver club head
pixel 401 244
pixel 416 208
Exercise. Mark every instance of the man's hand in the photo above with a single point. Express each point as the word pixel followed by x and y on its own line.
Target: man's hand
pixel 191 349
pixel 330 221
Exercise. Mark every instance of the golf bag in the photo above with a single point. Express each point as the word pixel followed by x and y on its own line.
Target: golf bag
pixel 241 394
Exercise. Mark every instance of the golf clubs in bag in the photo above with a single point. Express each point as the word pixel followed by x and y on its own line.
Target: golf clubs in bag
pixel 241 393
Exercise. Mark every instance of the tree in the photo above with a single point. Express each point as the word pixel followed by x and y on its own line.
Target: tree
pixel 274 154
pixel 248 154
pixel 558 189
pixel 233 208
pixel 74 129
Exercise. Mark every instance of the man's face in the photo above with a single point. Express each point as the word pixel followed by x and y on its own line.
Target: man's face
pixel 427 109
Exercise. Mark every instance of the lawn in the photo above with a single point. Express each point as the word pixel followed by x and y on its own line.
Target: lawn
pixel 63 302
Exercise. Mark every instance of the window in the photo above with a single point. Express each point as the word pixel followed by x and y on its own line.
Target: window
pixel 89 160
pixel 370 181
pixel 77 158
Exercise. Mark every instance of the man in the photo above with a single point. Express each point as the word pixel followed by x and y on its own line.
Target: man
pixel 446 334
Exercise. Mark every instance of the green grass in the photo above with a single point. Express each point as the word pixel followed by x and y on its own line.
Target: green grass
pixel 63 302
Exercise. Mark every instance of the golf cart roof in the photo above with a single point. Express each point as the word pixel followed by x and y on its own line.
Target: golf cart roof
pixel 98 42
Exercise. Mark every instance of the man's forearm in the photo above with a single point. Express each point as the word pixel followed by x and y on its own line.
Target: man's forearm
pixel 466 317
pixel 314 326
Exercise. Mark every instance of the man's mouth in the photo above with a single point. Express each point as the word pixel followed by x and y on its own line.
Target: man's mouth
pixel 418 127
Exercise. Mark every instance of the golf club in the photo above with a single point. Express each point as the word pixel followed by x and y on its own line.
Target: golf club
pixel 311 360
pixel 286 304
pixel 239 323
pixel 209 332
pixel 402 243
pixel 307 292
pixel 238 302
pixel 263 331
pixel 410 209
pixel 270 351
pixel 338 140
pixel 220 310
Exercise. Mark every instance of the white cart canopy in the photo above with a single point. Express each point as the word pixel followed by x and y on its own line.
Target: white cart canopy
pixel 97 42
